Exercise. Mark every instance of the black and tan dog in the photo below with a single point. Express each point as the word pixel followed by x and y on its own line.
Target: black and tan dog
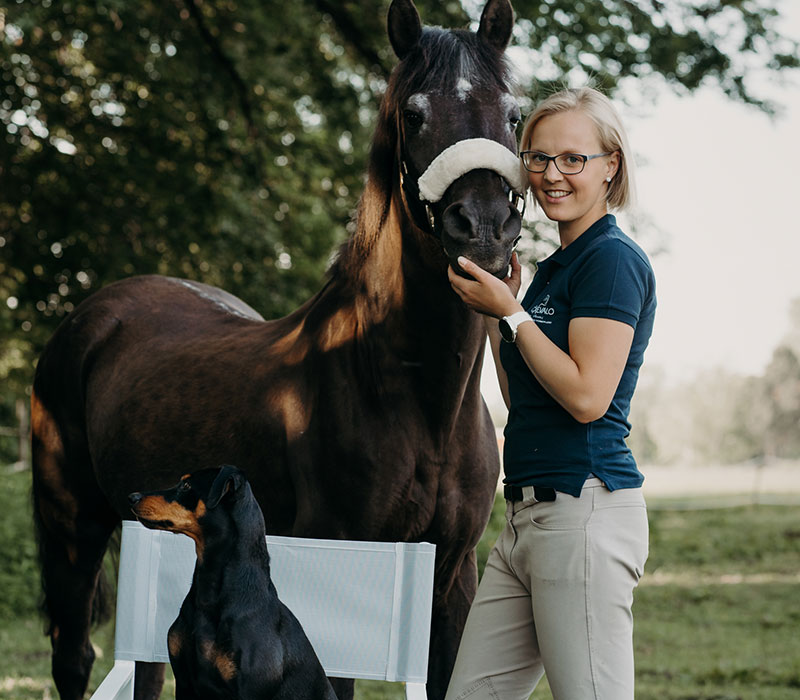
pixel 233 638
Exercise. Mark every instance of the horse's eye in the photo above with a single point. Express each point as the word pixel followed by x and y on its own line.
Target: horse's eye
pixel 413 119
pixel 514 121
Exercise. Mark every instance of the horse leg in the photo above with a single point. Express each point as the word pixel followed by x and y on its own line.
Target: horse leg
pixel 148 680
pixel 450 609
pixel 71 570
pixel 73 524
pixel 343 687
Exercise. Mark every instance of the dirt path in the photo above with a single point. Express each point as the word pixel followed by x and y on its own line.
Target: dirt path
pixel 779 478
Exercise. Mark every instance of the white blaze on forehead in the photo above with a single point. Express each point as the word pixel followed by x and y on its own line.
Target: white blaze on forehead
pixel 420 102
pixel 466 155
pixel 509 101
pixel 463 89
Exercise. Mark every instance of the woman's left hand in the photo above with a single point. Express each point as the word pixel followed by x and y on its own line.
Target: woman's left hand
pixel 485 293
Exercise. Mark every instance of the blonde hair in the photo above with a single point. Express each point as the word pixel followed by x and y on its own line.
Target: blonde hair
pixel 595 105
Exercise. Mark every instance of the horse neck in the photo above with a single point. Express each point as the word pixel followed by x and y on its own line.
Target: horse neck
pixel 397 276
pixel 394 278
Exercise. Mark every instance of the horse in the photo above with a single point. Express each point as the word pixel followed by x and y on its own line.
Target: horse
pixel 357 416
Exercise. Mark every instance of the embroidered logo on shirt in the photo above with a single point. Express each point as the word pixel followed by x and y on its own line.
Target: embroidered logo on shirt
pixel 541 311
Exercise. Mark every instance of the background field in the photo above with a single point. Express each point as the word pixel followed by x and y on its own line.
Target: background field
pixel 717 613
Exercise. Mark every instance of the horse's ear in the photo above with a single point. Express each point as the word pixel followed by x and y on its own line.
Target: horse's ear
pixel 227 481
pixel 405 27
pixel 497 23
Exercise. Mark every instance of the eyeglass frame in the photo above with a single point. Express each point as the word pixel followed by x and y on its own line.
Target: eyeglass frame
pixel 585 159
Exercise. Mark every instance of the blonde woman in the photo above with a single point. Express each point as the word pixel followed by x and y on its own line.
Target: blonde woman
pixel 557 590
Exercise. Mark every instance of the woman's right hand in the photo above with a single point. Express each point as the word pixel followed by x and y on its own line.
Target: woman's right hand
pixel 485 293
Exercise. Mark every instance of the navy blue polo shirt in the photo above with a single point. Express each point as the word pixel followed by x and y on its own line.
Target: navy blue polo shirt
pixel 601 274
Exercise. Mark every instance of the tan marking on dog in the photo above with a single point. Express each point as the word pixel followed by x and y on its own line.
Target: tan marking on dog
pixel 226 666
pixel 184 521
pixel 222 661
pixel 174 643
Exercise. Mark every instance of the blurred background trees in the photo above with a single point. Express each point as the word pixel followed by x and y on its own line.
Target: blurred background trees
pixel 724 418
pixel 225 140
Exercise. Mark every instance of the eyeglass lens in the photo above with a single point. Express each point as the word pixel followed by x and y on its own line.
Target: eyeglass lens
pixel 567 163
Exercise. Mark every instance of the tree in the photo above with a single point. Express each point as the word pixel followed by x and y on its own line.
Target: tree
pixel 224 140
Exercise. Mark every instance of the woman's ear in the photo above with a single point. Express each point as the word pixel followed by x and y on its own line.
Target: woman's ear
pixel 613 165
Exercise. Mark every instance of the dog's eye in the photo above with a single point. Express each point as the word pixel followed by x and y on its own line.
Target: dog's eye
pixel 184 486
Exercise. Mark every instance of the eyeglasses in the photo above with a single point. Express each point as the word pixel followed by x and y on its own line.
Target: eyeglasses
pixel 567 163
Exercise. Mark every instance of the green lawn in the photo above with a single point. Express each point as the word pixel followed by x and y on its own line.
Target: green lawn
pixel 717 614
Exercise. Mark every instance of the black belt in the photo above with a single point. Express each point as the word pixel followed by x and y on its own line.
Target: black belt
pixel 540 493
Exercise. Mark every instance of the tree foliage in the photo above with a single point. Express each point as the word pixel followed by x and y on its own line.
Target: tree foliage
pixel 225 140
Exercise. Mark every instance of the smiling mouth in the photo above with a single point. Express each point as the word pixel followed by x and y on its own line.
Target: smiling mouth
pixel 557 194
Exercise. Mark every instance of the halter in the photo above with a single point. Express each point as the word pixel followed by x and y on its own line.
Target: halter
pixel 453 162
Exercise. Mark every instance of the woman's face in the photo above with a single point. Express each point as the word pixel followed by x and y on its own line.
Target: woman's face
pixel 574 201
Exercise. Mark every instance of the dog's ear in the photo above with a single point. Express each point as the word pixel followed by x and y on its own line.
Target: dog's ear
pixel 229 480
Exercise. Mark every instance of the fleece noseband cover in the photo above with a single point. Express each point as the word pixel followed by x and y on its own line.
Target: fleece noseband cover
pixel 463 156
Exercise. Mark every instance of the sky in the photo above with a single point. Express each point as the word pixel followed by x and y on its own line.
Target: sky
pixel 718 183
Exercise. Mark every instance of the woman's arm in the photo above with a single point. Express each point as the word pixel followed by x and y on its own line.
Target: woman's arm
pixel 584 380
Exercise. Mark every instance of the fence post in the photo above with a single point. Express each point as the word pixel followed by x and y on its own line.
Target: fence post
pixel 23 421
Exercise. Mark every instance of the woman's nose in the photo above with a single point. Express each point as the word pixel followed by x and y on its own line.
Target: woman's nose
pixel 551 172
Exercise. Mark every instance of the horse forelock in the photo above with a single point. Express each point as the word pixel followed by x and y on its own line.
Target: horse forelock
pixel 447 59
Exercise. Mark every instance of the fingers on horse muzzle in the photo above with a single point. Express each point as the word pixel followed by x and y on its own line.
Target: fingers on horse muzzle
pixel 485 230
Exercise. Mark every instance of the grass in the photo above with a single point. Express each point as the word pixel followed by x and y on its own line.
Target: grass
pixel 716 614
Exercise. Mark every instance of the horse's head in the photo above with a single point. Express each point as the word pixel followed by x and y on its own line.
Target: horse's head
pixel 455 119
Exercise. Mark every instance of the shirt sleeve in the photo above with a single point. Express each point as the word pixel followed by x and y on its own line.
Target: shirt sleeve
pixel 613 282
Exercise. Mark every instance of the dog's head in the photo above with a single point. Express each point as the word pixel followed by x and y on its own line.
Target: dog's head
pixel 184 507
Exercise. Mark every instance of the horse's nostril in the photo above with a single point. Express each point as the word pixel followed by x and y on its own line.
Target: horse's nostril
pixel 505 223
pixel 459 222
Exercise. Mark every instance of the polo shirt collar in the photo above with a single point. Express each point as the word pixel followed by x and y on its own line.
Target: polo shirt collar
pixel 564 256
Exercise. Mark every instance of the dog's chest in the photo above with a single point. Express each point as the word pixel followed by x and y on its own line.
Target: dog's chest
pixel 198 657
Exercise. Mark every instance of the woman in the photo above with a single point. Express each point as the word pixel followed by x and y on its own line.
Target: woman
pixel 557 590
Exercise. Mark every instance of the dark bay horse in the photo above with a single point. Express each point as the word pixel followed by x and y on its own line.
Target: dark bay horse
pixel 357 416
